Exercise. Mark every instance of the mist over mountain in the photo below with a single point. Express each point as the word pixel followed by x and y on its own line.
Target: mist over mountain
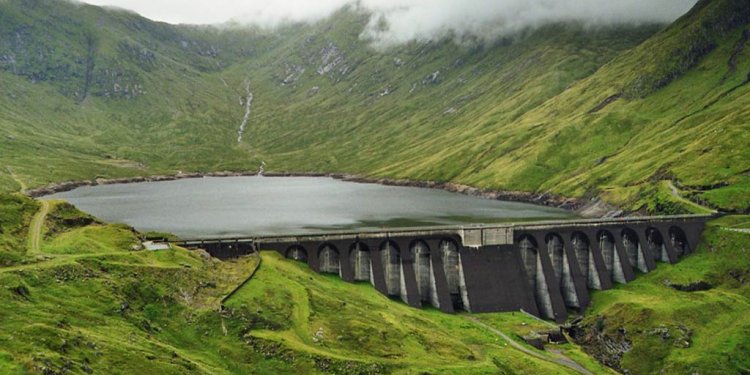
pixel 399 21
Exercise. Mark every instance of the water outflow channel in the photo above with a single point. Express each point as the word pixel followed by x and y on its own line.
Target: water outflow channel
pixel 214 207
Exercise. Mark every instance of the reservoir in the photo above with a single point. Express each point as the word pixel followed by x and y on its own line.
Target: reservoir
pixel 213 207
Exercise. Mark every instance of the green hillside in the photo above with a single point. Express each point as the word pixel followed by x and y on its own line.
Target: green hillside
pixel 91 304
pixel 651 118
pixel 677 332
pixel 570 109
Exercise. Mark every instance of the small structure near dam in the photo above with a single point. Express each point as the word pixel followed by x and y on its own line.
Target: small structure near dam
pixel 544 268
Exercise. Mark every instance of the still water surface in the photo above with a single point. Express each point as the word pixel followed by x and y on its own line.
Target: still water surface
pixel 240 206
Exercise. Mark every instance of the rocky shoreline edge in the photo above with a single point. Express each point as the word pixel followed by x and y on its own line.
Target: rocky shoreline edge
pixel 586 208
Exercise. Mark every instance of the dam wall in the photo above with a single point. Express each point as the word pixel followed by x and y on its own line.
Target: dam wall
pixel 546 268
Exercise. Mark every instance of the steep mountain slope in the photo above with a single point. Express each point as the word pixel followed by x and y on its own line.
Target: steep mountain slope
pixel 422 112
pixel 90 92
pixel 674 108
pixel 564 108
pixel 682 114
pixel 140 95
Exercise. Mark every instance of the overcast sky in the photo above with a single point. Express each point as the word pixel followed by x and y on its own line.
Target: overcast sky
pixel 410 19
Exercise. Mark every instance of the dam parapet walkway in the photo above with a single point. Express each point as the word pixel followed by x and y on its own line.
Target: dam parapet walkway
pixel 542 267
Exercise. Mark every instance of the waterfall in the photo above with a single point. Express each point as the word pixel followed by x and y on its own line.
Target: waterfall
pixel 248 108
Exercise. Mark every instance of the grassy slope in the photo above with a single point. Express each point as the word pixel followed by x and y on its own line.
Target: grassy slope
pixel 353 121
pixel 290 304
pixel 52 132
pixel 521 117
pixel 716 319
pixel 682 116
pixel 186 110
pixel 15 213
pixel 92 304
pixel 514 114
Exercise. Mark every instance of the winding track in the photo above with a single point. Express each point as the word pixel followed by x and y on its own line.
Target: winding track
pixel 563 360
pixel 16 179
pixel 37 222
pixel 676 194
pixel 738 230
pixel 35 229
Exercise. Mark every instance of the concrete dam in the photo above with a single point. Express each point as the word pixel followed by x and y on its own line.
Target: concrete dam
pixel 544 268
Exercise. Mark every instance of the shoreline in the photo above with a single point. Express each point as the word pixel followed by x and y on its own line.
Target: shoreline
pixel 583 207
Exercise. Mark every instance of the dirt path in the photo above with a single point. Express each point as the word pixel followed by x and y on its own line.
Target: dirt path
pixel 676 195
pixel 37 222
pixel 16 179
pixel 35 229
pixel 563 360
pixel 50 260
pixel 738 230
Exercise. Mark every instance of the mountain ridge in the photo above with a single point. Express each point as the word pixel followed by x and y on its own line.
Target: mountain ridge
pixel 498 116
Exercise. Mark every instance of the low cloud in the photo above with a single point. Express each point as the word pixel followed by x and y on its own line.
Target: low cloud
pixel 399 21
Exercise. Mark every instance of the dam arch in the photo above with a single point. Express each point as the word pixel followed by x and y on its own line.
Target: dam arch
pixel 529 250
pixel 536 276
pixel 633 249
pixel 296 252
pixel 679 241
pixel 391 257
pixel 452 269
pixel 329 260
pixel 607 246
pixel 556 247
pixel 420 253
pixel 585 258
pixel 359 258
pixel 655 242
pixel 556 250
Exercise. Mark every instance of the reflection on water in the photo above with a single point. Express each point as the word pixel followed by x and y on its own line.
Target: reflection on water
pixel 237 206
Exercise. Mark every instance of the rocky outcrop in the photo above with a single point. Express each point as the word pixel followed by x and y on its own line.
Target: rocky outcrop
pixel 678 336
pixel 330 57
pixel 599 208
pixel 292 73
pixel 607 101
pixel 432 78
pixel 695 286
pixel 606 347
